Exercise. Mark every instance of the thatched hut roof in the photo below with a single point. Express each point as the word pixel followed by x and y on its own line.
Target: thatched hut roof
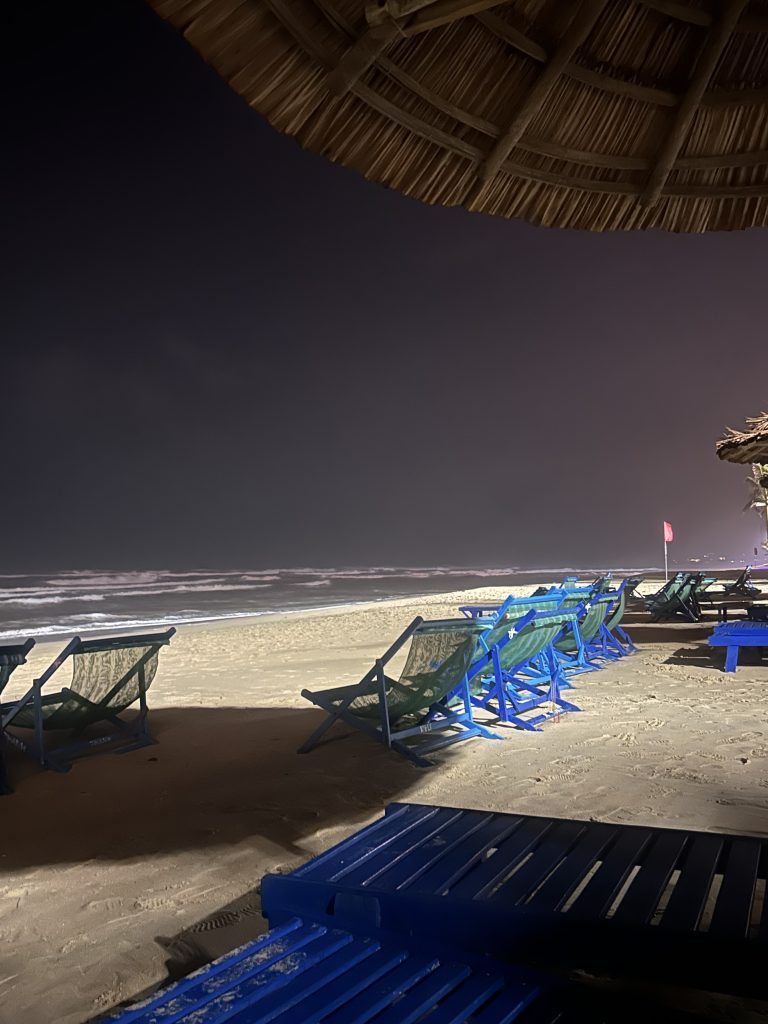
pixel 599 114
pixel 750 445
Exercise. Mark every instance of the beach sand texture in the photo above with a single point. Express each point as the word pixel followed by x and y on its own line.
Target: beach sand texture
pixel 131 864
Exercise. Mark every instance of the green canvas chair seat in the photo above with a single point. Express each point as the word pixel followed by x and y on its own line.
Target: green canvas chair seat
pixel 411 714
pixel 526 644
pixel 676 598
pixel 517 671
pixel 108 676
pixel 95 688
pixel 589 627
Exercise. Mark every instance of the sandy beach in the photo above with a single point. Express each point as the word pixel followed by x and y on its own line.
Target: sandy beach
pixel 131 867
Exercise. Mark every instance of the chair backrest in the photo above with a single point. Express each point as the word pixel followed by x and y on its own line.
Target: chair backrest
pixel 11 656
pixel 107 677
pixel 589 624
pixel 517 646
pixel 437 661
pixel 743 577
pixel 616 611
pixel 632 583
pixel 668 591
pixel 534 638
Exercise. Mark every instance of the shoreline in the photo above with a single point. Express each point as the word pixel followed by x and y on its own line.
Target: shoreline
pixel 91 620
pixel 213 621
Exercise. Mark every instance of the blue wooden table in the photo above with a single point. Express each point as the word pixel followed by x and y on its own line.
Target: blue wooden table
pixel 733 635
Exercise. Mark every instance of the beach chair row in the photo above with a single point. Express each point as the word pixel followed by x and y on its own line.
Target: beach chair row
pixel 109 674
pixel 511 663
pixel 454 916
pixel 683 596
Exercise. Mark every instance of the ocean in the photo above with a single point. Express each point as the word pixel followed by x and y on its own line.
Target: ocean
pixel 88 601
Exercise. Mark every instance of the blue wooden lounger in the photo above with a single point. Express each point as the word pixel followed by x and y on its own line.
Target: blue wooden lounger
pixel 680 907
pixel 304 973
pixel 733 635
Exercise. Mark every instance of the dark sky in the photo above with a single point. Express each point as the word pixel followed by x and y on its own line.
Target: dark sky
pixel 220 350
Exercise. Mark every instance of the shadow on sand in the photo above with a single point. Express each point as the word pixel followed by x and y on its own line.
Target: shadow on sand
pixel 216 776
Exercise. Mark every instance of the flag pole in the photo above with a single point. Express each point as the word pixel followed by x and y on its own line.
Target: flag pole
pixel 666 570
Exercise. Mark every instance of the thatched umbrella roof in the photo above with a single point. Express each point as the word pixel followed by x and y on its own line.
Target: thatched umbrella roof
pixel 750 445
pixel 599 114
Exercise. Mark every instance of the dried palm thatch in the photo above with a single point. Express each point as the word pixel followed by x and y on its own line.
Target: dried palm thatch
pixel 599 114
pixel 744 446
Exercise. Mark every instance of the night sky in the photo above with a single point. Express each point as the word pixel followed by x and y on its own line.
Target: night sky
pixel 220 350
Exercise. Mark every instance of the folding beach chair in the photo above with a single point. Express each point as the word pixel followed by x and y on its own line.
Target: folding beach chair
pixel 518 671
pixel 11 656
pixel 677 598
pixel 108 676
pixel 631 584
pixel 743 585
pixel 597 586
pixel 612 640
pixel 579 648
pixel 411 715
pixel 515 606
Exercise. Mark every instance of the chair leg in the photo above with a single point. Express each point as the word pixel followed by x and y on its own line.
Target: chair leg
pixel 320 731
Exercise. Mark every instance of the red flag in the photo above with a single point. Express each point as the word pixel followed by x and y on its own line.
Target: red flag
pixel 668 535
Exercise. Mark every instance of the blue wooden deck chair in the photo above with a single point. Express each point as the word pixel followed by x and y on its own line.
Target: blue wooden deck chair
pixel 11 656
pixel 611 640
pixel 492 612
pixel 578 649
pixel 518 672
pixel 554 600
pixel 108 676
pixel 411 715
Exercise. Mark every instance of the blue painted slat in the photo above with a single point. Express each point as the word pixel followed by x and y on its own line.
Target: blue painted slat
pixel 643 895
pixel 474 993
pixel 603 888
pixel 267 1002
pixel 400 846
pixel 689 896
pixel 565 879
pixel 195 989
pixel 409 869
pixel 425 994
pixel 556 845
pixel 220 1006
pixel 366 843
pixel 479 883
pixel 462 858
pixel 343 989
pixel 383 993
pixel 734 901
pixel 507 1005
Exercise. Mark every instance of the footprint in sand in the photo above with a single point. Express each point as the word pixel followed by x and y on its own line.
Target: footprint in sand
pixel 109 904
pixel 744 737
